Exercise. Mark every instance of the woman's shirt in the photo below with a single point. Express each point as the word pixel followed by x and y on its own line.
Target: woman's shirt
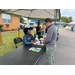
pixel 38 28
pixel 28 40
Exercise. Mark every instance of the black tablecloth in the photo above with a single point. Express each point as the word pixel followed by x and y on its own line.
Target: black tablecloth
pixel 22 56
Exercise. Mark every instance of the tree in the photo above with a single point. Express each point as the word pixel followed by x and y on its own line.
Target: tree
pixel 21 20
pixel 70 19
pixel 66 19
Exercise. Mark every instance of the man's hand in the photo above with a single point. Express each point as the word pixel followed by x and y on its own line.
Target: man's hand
pixel 42 42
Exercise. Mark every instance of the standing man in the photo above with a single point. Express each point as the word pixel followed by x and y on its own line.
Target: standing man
pixel 50 40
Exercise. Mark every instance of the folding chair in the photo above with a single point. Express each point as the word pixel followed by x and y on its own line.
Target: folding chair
pixel 17 40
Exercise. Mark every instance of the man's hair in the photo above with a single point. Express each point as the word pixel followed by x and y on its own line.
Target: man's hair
pixel 48 20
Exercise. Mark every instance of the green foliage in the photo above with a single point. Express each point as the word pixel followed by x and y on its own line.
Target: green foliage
pixel 1 27
pixel 66 19
pixel 70 19
pixel 12 29
pixel 65 25
pixel 21 20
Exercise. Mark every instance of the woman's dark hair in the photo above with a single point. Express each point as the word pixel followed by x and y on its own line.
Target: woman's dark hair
pixel 31 28
pixel 39 22
pixel 48 20
pixel 26 30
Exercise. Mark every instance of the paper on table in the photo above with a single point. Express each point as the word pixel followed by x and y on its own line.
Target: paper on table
pixel 37 42
pixel 42 44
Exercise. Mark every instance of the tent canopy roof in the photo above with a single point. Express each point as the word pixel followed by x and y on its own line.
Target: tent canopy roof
pixel 34 13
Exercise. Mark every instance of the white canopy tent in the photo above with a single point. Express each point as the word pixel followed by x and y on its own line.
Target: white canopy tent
pixel 35 13
pixel 71 23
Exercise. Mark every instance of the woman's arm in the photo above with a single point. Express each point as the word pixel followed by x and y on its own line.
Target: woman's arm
pixel 25 41
pixel 42 28
pixel 32 38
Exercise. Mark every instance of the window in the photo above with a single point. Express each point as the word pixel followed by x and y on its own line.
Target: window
pixel 6 18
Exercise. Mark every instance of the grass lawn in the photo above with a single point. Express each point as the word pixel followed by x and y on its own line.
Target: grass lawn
pixel 61 27
pixel 8 44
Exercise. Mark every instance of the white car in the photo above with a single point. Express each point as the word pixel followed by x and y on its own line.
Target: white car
pixel 68 27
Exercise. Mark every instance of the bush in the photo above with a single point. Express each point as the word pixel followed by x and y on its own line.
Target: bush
pixel 65 25
pixel 12 29
pixel 1 27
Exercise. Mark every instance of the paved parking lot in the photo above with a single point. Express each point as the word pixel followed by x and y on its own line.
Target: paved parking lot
pixel 65 51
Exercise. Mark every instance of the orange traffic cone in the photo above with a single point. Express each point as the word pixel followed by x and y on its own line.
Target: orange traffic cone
pixel 62 29
pixel 70 29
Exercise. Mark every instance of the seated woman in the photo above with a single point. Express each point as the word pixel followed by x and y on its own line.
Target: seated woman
pixel 28 38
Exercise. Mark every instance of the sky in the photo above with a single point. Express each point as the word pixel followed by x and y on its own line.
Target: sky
pixel 68 13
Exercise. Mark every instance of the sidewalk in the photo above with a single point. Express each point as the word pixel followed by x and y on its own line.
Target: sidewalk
pixel 65 51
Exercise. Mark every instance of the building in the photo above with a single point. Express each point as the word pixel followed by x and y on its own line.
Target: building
pixel 10 22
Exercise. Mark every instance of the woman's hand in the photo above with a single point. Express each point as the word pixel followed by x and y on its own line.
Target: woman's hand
pixel 34 34
pixel 34 41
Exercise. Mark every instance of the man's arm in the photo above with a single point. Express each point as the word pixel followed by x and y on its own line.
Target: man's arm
pixel 49 36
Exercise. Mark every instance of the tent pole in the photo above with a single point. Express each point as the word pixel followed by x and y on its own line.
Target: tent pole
pixel 28 18
pixel 59 17
pixel 30 14
pixel 55 16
